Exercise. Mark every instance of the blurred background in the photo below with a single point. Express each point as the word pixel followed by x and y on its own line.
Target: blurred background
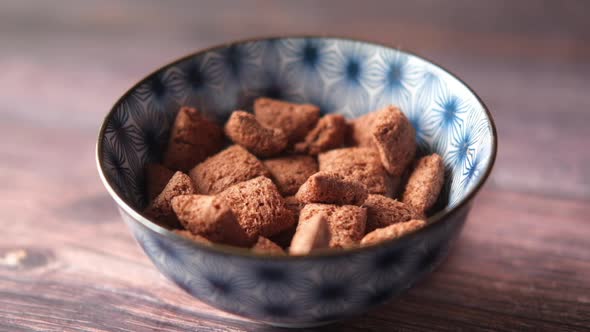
pixel 523 257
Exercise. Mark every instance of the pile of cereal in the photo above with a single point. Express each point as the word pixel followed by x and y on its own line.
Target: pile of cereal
pixel 285 179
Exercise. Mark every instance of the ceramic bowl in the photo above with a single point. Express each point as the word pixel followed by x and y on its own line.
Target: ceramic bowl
pixel 340 76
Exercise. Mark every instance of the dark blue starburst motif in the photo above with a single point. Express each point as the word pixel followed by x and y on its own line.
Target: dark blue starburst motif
pixel 237 64
pixel 166 256
pixel 218 279
pixel 268 305
pixel 238 69
pixel 331 291
pixel 271 274
pixel 348 70
pixel 448 114
pixel 462 146
pixel 393 78
pixel 465 139
pixel 386 267
pixel 124 135
pixel 278 281
pixel 380 295
pixel 305 60
pixel 418 113
pixel 151 132
pixel 310 55
pixel 232 58
pixel 276 310
pixel 162 93
pixel 138 140
pixel 145 143
pixel 198 82
pixel 116 166
pixel 388 259
pixel 326 289
pixel 432 256
pixel 472 170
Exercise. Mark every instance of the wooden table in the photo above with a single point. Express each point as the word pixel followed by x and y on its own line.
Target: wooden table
pixel 67 262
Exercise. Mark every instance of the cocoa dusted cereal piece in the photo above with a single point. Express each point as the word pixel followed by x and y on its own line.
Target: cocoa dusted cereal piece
pixel 392 232
pixel 425 183
pixel 188 235
pixel 395 138
pixel 192 139
pixel 383 211
pixel 358 164
pixel 329 133
pixel 226 168
pixel 331 188
pixel 259 207
pixel 267 247
pixel 290 172
pixel 157 176
pixel 160 208
pixel 346 222
pixel 362 130
pixel 296 120
pixel 243 129
pixel 311 235
pixel 209 217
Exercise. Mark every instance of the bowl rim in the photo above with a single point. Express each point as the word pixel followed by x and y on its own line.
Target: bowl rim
pixel 438 217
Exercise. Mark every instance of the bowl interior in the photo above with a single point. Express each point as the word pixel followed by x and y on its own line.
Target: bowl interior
pixel 338 75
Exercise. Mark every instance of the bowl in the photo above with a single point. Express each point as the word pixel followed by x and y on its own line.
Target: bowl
pixel 339 75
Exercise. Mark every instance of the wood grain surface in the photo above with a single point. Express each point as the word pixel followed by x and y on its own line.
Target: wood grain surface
pixel 67 262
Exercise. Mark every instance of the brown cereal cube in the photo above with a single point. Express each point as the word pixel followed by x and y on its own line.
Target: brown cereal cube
pixel 358 164
pixel 425 183
pixel 267 247
pixel 329 133
pixel 191 236
pixel 290 172
pixel 192 139
pixel 156 177
pixel 226 168
pixel 296 120
pixel 160 208
pixel 391 232
pixel 331 188
pixel 210 217
pixel 395 138
pixel 383 211
pixel 259 207
pixel 361 129
pixel 346 222
pixel 243 129
pixel 313 234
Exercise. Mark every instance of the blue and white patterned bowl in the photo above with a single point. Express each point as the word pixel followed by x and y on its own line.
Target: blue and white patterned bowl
pixel 341 76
